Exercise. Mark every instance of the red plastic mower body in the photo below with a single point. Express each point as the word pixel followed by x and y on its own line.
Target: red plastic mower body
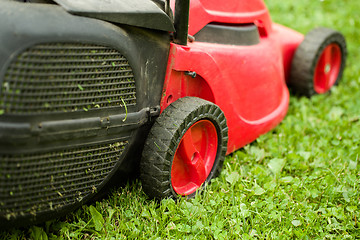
pixel 247 82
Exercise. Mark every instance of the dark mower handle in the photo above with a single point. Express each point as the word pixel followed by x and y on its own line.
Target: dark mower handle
pixel 181 21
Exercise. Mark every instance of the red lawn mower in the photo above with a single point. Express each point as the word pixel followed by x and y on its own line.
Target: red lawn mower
pixel 91 90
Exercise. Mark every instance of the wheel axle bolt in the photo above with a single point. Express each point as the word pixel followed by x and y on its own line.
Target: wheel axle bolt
pixel 327 68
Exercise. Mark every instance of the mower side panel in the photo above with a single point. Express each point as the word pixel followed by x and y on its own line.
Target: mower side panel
pixel 289 41
pixel 57 154
pixel 247 82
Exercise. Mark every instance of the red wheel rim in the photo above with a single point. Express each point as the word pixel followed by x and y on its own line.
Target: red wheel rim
pixel 327 68
pixel 194 157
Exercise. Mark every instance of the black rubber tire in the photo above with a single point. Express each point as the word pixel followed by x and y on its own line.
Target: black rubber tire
pixel 164 138
pixel 307 56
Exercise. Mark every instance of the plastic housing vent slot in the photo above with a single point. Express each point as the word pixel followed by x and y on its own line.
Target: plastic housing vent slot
pixel 242 35
pixel 67 77
pixel 34 183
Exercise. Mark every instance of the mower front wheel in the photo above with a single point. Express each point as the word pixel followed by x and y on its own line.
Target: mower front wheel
pixel 185 149
pixel 319 62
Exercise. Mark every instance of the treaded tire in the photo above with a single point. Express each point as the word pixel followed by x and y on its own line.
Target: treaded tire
pixel 306 63
pixel 165 137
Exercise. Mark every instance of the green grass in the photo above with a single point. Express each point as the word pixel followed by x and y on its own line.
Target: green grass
pixel 299 181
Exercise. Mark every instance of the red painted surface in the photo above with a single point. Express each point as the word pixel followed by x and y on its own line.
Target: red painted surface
pixel 247 82
pixel 203 12
pixel 327 68
pixel 194 158
pixel 289 40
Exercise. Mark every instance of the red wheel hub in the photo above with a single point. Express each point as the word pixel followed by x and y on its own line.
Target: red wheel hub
pixel 327 68
pixel 194 158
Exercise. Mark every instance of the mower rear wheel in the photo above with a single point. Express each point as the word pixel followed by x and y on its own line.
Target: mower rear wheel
pixel 185 149
pixel 319 62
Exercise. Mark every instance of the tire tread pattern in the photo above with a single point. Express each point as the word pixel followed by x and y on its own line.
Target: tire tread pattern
pixel 306 57
pixel 164 137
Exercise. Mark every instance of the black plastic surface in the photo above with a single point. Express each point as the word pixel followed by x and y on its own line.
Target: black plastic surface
pixel 181 21
pixel 242 35
pixel 24 135
pixel 141 13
